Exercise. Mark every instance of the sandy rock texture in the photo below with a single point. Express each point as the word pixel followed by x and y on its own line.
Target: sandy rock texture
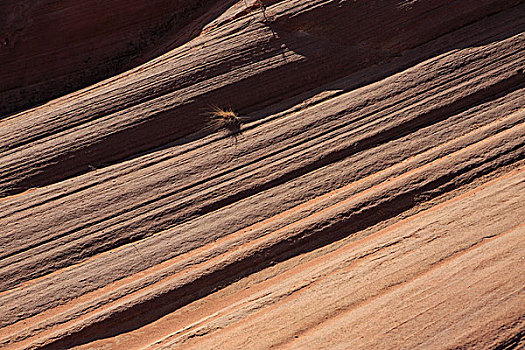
pixel 371 196
pixel 49 47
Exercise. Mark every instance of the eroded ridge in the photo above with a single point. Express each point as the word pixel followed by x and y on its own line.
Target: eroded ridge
pixel 376 204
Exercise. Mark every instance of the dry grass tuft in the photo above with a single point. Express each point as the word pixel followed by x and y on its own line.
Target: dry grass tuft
pixel 221 118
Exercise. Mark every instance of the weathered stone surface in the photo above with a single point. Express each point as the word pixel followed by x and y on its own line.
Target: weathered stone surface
pixel 372 198
pixel 49 48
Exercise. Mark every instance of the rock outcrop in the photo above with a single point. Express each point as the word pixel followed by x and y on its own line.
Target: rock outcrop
pixel 371 198
pixel 50 48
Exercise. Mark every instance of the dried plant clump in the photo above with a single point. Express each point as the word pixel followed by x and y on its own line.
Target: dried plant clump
pixel 221 118
pixel 4 191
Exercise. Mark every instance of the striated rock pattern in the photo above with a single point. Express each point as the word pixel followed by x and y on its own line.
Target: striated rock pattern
pixel 52 47
pixel 372 196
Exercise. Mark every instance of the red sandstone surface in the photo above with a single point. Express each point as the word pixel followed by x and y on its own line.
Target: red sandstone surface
pixel 371 196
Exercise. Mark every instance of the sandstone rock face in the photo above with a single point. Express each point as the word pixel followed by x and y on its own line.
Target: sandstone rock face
pixel 49 48
pixel 372 196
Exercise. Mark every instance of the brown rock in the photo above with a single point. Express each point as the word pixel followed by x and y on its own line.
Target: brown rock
pixel 370 196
